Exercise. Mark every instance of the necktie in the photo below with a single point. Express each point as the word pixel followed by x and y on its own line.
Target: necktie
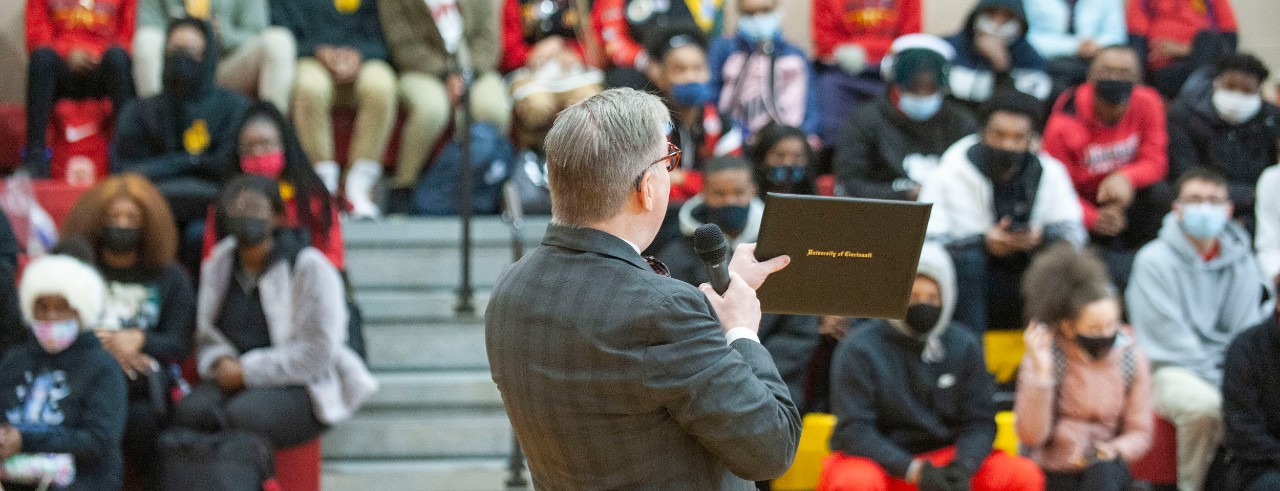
pixel 657 266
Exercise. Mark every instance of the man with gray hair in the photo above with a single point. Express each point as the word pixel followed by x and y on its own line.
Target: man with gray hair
pixel 614 375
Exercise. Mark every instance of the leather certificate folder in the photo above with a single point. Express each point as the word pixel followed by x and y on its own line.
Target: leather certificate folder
pixel 849 257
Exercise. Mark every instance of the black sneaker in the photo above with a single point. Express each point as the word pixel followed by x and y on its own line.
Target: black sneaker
pixel 399 201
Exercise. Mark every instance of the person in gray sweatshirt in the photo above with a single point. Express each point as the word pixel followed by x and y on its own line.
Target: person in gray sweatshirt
pixel 1193 290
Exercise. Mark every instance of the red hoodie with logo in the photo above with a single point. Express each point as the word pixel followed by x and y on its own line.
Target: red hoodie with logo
pixel 1137 145
pixel 91 25
pixel 1177 21
pixel 873 24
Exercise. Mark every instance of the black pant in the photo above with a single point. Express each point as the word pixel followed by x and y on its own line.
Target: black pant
pixel 49 78
pixel 1268 481
pixel 1205 49
pixel 140 437
pixel 1102 476
pixel 282 415
pixel 1145 216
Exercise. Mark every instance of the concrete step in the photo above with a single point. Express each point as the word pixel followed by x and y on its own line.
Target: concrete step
pixel 435 390
pixel 407 347
pixel 437 232
pixel 489 474
pixel 416 305
pixel 424 267
pixel 421 434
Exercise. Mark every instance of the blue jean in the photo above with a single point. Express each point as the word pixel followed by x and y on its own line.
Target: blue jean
pixel 989 289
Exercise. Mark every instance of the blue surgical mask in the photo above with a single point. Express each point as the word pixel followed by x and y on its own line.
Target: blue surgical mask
pixel 692 94
pixel 760 27
pixel 920 107
pixel 1204 220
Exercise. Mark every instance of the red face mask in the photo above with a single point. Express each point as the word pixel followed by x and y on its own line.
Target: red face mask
pixel 266 165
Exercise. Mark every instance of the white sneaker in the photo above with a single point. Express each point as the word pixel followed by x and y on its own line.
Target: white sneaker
pixel 329 172
pixel 361 178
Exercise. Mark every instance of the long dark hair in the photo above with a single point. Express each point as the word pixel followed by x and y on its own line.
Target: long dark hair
pixel 298 172
pixel 771 135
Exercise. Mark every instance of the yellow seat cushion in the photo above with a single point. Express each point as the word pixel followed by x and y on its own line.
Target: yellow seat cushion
pixel 1004 353
pixel 815 446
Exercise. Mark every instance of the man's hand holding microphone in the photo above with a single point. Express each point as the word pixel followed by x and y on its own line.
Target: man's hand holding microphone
pixel 732 290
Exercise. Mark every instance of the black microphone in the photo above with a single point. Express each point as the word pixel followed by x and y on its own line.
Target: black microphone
pixel 713 250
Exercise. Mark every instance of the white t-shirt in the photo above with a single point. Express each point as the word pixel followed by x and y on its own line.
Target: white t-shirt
pixel 448 22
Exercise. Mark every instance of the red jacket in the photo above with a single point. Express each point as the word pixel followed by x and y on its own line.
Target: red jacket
pixel 1136 146
pixel 874 24
pixel 1178 21
pixel 66 24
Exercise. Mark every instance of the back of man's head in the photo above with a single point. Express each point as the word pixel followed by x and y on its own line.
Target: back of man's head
pixel 596 150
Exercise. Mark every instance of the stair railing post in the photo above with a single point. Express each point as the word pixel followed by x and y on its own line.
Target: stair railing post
pixel 466 306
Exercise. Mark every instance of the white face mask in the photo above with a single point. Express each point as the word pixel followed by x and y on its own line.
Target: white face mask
pixel 1008 31
pixel 1236 107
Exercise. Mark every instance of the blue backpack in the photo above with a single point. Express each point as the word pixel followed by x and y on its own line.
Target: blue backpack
pixel 491 156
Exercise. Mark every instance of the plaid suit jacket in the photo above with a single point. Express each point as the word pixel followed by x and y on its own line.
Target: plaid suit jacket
pixel 615 377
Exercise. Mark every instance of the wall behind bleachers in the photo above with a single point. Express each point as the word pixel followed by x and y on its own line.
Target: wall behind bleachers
pixel 1258 32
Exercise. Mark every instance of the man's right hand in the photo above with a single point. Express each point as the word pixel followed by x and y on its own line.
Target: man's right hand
pixel 999 241
pixel 228 374
pixel 1111 221
pixel 80 61
pixel 738 307
pixel 755 272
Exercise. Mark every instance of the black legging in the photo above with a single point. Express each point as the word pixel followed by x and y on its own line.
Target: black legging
pixel 49 78
pixel 282 415
pixel 1111 475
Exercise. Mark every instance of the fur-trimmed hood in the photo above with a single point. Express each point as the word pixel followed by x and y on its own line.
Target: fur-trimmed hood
pixel 69 278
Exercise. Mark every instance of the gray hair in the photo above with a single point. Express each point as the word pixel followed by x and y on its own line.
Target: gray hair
pixel 595 150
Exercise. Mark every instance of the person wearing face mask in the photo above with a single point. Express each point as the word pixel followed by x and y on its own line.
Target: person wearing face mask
pixel 270 328
pixel 1083 405
pixel 61 392
pixel 149 313
pixel 1069 33
pixel 626 29
pixel 781 158
pixel 183 139
pixel 1230 129
pixel 1176 37
pixel 992 53
pixel 269 147
pixel 913 401
pixel 758 77
pixel 1193 290
pixel 729 200
pixel 1110 133
pixel 1251 406
pixel 850 41
pixel 996 202
pixel 891 146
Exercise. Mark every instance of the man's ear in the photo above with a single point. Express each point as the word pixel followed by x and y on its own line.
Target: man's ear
pixel 646 193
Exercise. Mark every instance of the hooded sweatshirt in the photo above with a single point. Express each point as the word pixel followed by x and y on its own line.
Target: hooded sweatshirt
pixel 73 402
pixel 972 77
pixel 1057 27
pixel 166 137
pixel 1152 21
pixel 881 151
pixel 790 339
pixel 1187 310
pixel 1093 403
pixel 64 25
pixel 872 24
pixel 1136 146
pixel 1198 137
pixel 896 395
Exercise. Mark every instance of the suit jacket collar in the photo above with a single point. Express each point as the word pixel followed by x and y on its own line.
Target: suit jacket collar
pixel 592 240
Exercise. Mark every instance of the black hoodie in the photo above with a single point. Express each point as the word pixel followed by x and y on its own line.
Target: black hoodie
pixel 12 330
pixel 186 146
pixel 74 402
pixel 1198 137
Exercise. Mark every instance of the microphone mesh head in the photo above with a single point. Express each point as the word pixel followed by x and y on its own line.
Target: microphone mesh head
pixel 709 243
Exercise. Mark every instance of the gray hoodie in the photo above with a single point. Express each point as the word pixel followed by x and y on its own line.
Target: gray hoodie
pixel 936 264
pixel 1187 310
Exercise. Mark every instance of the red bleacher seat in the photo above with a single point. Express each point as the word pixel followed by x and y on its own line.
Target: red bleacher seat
pixel 298 468
pixel 57 197
pixel 1160 465
pixel 13 133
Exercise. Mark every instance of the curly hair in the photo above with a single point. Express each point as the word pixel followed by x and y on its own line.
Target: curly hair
pixel 158 233
pixel 1061 281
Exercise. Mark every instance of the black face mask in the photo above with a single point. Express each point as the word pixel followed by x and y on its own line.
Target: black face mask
pixel 731 219
pixel 121 239
pixel 182 74
pixel 1113 91
pixel 248 231
pixel 1097 347
pixel 1001 163
pixel 923 317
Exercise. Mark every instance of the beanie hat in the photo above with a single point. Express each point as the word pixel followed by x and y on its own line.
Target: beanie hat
pixel 69 278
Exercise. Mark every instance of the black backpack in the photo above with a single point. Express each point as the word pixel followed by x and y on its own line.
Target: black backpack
pixel 229 460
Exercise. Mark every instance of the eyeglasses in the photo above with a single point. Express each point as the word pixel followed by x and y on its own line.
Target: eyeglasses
pixel 672 158
pixel 1196 200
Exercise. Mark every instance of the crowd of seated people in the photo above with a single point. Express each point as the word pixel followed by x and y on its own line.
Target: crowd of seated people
pixel 1038 129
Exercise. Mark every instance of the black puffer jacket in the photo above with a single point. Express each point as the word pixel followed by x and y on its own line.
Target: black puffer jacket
pixel 1199 137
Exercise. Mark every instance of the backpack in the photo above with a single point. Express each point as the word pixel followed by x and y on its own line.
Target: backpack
pixel 230 460
pixel 491 157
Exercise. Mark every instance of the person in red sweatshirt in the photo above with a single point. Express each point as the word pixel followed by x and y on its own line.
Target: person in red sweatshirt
pixel 1110 133
pixel 78 49
pixel 850 37
pixel 1176 37
pixel 626 27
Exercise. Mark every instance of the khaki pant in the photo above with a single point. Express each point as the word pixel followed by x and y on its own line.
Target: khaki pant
pixel 428 108
pixel 373 94
pixel 262 67
pixel 1195 409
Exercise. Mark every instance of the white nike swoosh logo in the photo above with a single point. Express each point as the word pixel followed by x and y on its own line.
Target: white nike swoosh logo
pixel 76 133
